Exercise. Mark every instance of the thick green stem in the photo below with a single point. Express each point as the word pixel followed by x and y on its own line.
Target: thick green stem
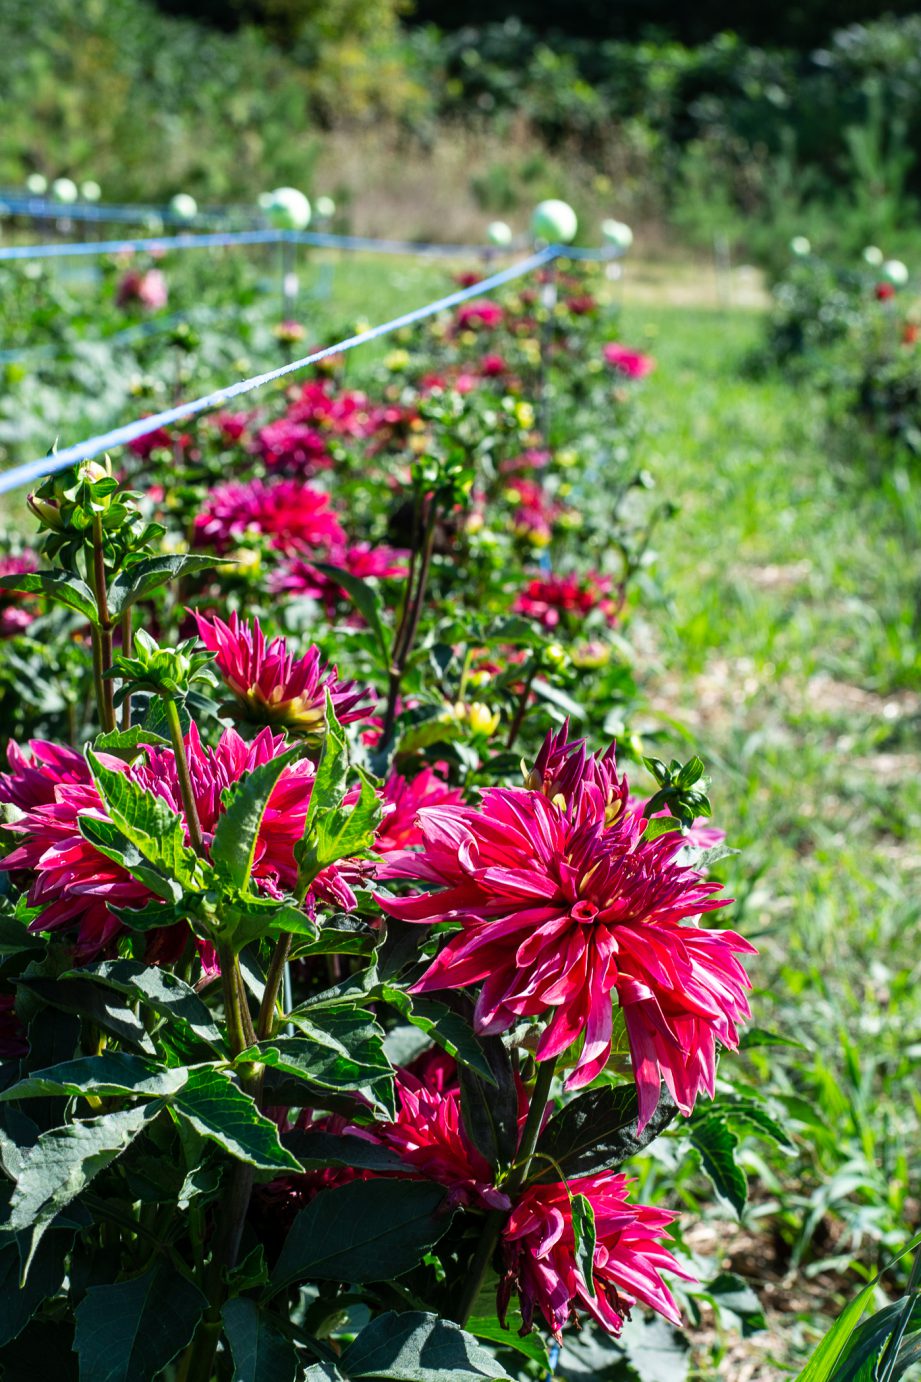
pixel 416 585
pixel 273 982
pixel 522 708
pixel 196 839
pixel 102 634
pixel 126 649
pixel 492 1224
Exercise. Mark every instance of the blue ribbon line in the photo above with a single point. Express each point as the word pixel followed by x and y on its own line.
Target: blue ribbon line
pixel 40 208
pixel 123 436
pixel 319 239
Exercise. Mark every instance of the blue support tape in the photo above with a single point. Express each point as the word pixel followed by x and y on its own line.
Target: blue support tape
pixel 122 436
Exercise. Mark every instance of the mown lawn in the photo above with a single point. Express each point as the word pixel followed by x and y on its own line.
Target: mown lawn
pixel 788 648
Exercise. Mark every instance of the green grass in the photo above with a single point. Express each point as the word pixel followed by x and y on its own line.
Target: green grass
pixel 790 650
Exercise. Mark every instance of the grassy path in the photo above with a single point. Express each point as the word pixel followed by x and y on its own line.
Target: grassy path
pixel 790 650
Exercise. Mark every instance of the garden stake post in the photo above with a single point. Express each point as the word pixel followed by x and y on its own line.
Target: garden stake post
pixel 548 300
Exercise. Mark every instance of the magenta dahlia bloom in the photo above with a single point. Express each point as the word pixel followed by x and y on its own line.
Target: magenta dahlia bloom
pixel 292 516
pixel 293 448
pixel 145 289
pixel 564 907
pixel 633 363
pixel 478 315
pixel 402 798
pixel 274 687
pixel 298 577
pixel 346 414
pixel 557 598
pixel 539 1254
pixel 16 611
pixel 75 885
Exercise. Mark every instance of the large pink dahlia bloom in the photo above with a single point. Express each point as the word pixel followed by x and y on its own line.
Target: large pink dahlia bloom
pixel 539 1254
pixel 274 687
pixel 563 907
pixel 292 516
pixel 75 885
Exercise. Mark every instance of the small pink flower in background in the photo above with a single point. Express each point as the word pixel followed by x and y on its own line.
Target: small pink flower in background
pixel 292 516
pixel 554 598
pixel 290 332
pixel 633 363
pixel 491 366
pixel 231 426
pixel 75 884
pixel 298 577
pixel 884 291
pixel 538 1250
pixel 16 611
pixel 581 304
pixel 404 796
pixel 346 413
pixel 480 314
pixel 467 277
pixel 147 290
pixel 295 448
pixel 274 687
pixel 158 440
pixel 561 909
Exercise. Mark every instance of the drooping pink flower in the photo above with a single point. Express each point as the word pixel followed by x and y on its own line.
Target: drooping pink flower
pixel 566 597
pixel 16 611
pixel 429 1136
pixel 292 516
pixel 633 363
pixel 293 448
pixel 274 687
pixel 562 909
pixel 404 796
pixel 75 885
pixel 538 1251
pixel 479 314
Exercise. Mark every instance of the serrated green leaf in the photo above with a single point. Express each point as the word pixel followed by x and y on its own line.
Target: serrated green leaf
pixel 130 1331
pixel 64 1161
pixel 418 1347
pixel 74 994
pixel 583 1228
pixel 18 1302
pixel 107 1075
pixel 163 992
pixel 366 1231
pixel 145 576
pixel 445 1027
pixel 233 848
pixel 317 1150
pixel 660 825
pixel 716 1143
pixel 218 1110
pixel 596 1131
pixel 261 1352
pixel 59 586
pixel 147 821
pixel 118 740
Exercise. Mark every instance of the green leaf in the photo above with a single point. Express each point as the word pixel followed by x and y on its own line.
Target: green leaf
pixel 559 698
pixel 233 849
pixel 332 831
pixel 86 999
pixel 317 1150
pixel 19 1303
pixel 444 1027
pixel 145 576
pixel 164 993
pixel 107 1075
pixel 490 1111
pixel 64 1161
pixel 822 1364
pixel 261 1352
pixel 118 740
pixel 58 586
pixel 220 1111
pixel 596 1132
pixel 583 1228
pixel 660 825
pixel 340 1049
pixel 760 1036
pixel 109 840
pixel 530 1345
pixel 147 821
pixel 417 1347
pixel 130 1331
pixel 366 1231
pixel 366 600
pixel 716 1143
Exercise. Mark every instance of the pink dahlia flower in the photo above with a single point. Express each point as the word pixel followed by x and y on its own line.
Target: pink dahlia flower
pixel 292 516
pixel 298 577
pixel 402 798
pixel 147 290
pixel 16 611
pixel 294 448
pixel 479 314
pixel 633 363
pixel 347 413
pixel 539 1254
pixel 274 687
pixel 429 1136
pixel 74 884
pixel 561 911
pixel 557 598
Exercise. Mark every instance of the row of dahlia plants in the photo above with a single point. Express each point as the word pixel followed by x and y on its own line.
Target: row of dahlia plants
pixel 334 1005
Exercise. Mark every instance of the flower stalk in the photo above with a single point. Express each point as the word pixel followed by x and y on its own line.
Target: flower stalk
pixel 102 633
